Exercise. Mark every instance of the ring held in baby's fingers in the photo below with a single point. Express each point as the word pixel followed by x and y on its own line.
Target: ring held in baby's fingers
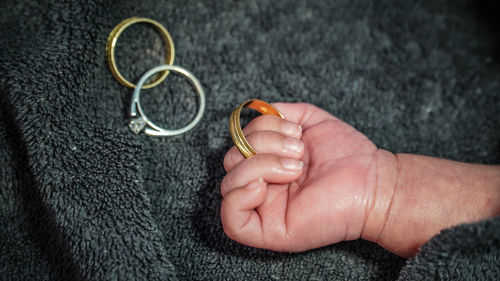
pixel 235 125
pixel 142 122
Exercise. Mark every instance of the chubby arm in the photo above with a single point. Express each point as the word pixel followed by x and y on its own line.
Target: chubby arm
pixel 317 181
pixel 417 196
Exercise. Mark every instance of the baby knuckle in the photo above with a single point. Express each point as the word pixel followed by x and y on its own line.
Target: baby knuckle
pixel 229 159
pixel 265 160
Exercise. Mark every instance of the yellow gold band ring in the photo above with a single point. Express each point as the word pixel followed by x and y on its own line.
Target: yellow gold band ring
pixel 235 126
pixel 111 44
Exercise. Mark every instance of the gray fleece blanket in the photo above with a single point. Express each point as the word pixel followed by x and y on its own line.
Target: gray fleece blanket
pixel 83 198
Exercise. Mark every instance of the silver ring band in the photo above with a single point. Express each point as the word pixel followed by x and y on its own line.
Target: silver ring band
pixel 141 122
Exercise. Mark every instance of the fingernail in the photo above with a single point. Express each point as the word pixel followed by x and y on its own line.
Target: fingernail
pixel 294 146
pixel 291 164
pixel 255 184
pixel 291 129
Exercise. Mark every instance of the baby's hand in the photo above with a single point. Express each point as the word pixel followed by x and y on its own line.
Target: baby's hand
pixel 310 184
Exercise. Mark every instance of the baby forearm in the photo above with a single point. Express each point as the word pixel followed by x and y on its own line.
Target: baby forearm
pixel 417 196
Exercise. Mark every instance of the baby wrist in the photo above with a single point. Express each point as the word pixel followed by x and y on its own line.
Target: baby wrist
pixel 384 168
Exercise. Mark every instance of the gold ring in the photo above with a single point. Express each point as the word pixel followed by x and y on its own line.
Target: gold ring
pixel 111 44
pixel 235 126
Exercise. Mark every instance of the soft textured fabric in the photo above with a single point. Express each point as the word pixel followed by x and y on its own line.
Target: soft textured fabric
pixel 83 198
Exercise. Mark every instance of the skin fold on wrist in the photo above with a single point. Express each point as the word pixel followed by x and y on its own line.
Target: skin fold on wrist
pixel 417 196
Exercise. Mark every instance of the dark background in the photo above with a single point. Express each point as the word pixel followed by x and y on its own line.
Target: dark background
pixel 83 198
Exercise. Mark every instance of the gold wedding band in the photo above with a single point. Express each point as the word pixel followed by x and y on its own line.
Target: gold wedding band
pixel 235 126
pixel 111 44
